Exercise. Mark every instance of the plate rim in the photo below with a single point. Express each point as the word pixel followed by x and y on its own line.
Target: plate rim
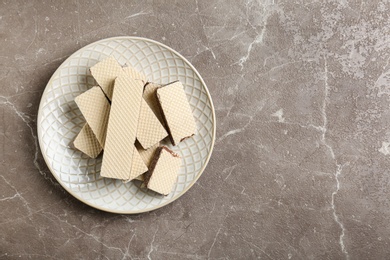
pixel 39 118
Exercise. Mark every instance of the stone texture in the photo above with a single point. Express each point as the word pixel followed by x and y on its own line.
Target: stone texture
pixel 300 166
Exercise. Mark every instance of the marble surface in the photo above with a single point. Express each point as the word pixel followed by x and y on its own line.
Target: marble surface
pixel 300 168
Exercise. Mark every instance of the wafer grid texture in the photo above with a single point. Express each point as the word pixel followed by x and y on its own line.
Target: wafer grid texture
pixel 177 111
pixel 138 167
pixel 122 128
pixel 147 154
pixel 87 143
pixel 94 106
pixel 60 120
pixel 105 73
pixel 95 97
pixel 134 74
pixel 150 131
pixel 151 98
pixel 164 172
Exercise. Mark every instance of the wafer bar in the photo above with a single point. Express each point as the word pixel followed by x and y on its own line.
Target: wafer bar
pixel 122 129
pixel 163 171
pixel 177 112
pixel 105 73
pixel 151 98
pixel 87 143
pixel 147 154
pixel 150 131
pixel 94 106
pixel 138 167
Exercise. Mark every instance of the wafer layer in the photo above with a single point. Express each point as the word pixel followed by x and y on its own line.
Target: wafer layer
pixel 122 128
pixel 147 154
pixel 150 131
pixel 138 167
pixel 94 106
pixel 105 73
pixel 163 171
pixel 134 74
pixel 87 143
pixel 177 112
pixel 151 98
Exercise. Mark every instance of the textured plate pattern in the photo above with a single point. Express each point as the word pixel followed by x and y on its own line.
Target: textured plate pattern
pixel 60 120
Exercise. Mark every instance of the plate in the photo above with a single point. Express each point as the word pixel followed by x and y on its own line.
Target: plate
pixel 60 120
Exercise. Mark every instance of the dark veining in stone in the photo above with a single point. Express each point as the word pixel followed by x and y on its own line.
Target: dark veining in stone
pixel 300 167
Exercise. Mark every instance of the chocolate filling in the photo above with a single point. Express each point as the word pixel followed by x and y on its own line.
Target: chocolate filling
pixel 186 137
pixel 171 152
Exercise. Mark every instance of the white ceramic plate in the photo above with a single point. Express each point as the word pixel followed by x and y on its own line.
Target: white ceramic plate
pixel 59 121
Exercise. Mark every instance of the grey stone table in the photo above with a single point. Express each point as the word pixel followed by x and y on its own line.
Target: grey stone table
pixel 300 168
